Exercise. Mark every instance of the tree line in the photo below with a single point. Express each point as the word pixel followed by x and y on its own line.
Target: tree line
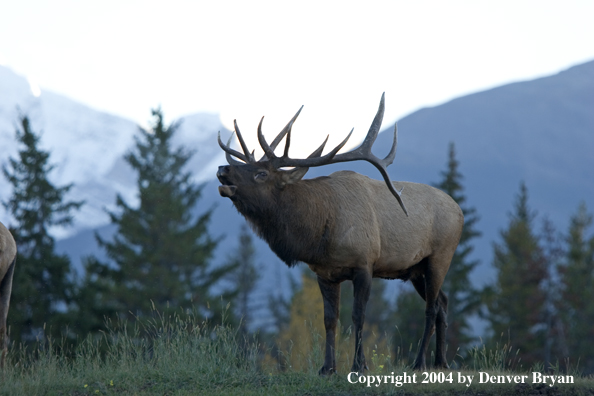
pixel 160 262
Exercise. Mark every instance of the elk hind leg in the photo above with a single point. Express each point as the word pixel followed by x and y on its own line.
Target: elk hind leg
pixel 420 362
pixel 331 297
pixel 442 324
pixel 362 290
pixel 428 287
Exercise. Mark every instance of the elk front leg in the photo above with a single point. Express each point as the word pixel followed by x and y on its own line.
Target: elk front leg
pixel 331 296
pixel 362 289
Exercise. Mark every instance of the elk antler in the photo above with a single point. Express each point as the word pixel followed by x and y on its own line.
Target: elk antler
pixel 228 156
pixel 363 152
pixel 286 131
pixel 246 157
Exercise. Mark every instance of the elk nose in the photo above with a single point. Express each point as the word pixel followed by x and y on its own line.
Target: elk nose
pixel 223 171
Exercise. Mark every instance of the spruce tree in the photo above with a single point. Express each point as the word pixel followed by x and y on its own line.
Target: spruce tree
pixel 279 305
pixel 42 284
pixel 409 322
pixel 516 302
pixel 463 297
pixel 160 253
pixel 244 276
pixel 576 306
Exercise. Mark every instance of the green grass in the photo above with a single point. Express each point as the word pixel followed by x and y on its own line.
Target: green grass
pixel 175 356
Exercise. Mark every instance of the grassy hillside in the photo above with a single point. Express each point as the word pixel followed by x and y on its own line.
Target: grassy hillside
pixel 181 356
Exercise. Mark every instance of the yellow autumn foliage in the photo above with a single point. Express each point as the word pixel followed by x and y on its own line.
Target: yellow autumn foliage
pixel 302 343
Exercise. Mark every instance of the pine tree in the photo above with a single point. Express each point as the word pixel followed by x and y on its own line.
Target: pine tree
pixel 552 254
pixel 94 299
pixel 463 300
pixel 279 305
pixel 515 303
pixel 576 306
pixel 42 284
pixel 160 253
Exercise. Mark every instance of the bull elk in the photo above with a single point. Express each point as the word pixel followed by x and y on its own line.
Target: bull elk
pixel 8 252
pixel 347 226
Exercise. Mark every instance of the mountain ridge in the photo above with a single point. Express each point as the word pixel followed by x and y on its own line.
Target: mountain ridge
pixel 540 132
pixel 87 147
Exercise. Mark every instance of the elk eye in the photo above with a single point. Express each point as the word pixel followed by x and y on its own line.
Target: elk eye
pixel 261 176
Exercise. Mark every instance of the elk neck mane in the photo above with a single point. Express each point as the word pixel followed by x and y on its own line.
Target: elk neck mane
pixel 298 224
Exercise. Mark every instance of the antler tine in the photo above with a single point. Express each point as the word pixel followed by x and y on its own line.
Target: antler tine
pixel 268 151
pixel 319 150
pixel 375 126
pixel 230 151
pixel 244 147
pixel 392 154
pixel 311 160
pixel 363 152
pixel 228 156
pixel 281 135
pixel 287 143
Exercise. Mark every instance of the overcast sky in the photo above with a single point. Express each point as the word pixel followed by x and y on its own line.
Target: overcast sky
pixel 246 59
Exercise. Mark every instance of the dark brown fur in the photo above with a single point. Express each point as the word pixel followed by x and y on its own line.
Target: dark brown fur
pixel 293 231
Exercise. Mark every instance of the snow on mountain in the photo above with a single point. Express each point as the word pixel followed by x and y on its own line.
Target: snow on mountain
pixel 87 147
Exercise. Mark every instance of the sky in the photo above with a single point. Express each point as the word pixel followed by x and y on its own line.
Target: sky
pixel 247 59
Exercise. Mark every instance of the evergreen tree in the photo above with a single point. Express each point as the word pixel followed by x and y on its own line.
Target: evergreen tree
pixel 244 278
pixel 94 299
pixel 516 302
pixel 280 306
pixel 42 284
pixel 409 321
pixel 576 306
pixel 161 251
pixel 552 253
pixel 463 298
pixel 280 314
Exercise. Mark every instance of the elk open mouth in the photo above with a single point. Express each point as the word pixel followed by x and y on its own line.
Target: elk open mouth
pixel 227 189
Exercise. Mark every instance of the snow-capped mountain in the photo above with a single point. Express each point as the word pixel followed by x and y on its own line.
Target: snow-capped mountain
pixel 87 146
pixel 539 132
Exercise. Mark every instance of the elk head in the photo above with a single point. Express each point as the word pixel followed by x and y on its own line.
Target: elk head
pixel 248 180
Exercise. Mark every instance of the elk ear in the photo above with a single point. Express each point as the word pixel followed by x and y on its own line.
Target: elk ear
pixel 294 175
